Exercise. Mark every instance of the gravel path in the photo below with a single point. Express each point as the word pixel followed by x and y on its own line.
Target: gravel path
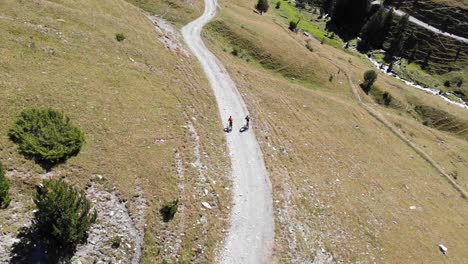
pixel 251 234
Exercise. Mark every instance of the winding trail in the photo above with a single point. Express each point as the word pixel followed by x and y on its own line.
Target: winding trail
pixel 251 233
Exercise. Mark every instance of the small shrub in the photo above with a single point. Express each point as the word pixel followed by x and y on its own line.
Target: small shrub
pixel 115 241
pixel 4 187
pixel 278 5
pixel 293 25
pixel 47 136
pixel 169 210
pixel 447 83
pixel 262 6
pixel 236 52
pixel 120 37
pixel 63 215
pixel 387 98
pixel 370 77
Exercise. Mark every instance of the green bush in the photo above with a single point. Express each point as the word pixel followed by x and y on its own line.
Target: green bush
pixel 370 77
pixel 120 37
pixel 262 6
pixel 387 98
pixel 236 51
pixel 293 25
pixel 169 210
pixel 63 215
pixel 47 136
pixel 4 187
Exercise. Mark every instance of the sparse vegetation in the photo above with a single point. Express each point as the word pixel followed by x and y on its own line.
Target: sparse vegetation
pixel 63 215
pixel 120 37
pixel 383 97
pixel 47 136
pixel 4 188
pixel 236 51
pixel 115 241
pixel 169 210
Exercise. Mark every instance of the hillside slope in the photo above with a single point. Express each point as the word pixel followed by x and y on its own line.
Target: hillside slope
pixel 345 188
pixel 148 114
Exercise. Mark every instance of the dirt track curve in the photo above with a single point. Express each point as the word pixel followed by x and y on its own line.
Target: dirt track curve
pixel 251 234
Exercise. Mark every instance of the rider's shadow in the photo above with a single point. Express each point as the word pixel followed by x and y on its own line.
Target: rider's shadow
pixel 243 129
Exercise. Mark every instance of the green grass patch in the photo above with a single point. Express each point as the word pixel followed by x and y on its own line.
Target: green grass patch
pixel 317 29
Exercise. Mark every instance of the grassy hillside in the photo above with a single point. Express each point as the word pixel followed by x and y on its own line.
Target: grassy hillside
pixel 139 104
pixel 345 187
pixel 179 12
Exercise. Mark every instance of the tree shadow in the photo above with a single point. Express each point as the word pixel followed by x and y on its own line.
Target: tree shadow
pixel 40 160
pixel 33 248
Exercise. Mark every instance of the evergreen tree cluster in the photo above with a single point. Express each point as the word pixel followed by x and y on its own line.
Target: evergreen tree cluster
pixel 349 15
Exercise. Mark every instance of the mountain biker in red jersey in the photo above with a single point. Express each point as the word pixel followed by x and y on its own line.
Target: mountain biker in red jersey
pixel 230 120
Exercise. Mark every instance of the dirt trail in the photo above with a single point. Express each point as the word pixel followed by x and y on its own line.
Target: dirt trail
pixel 251 234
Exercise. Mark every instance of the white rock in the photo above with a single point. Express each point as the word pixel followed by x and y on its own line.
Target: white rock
pixel 443 248
pixel 207 205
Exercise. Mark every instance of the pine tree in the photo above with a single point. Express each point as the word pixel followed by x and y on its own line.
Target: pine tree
pixel 397 38
pixel 64 215
pixel 371 31
pixel 262 6
pixel 370 77
pixel 387 24
pixel 350 14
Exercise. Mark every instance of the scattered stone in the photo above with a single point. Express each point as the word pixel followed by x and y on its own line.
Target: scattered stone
pixel 443 248
pixel 207 205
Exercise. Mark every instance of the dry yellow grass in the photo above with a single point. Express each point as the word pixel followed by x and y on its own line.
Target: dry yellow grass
pixel 134 101
pixel 344 185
